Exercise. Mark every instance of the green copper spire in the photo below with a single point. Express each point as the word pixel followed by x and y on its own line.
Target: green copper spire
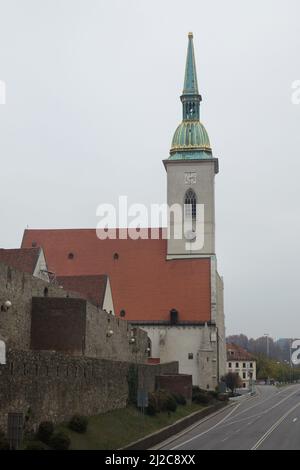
pixel 190 97
pixel 190 80
pixel 190 141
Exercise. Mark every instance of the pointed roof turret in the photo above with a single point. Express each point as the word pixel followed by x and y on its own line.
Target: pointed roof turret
pixel 190 97
pixel 190 79
pixel 190 141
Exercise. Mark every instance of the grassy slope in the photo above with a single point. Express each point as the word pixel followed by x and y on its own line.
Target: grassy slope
pixel 120 427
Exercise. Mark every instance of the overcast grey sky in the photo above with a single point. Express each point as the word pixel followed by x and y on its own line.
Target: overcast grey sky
pixel 93 101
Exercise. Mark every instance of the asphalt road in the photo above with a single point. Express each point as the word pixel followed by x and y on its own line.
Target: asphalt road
pixel 268 421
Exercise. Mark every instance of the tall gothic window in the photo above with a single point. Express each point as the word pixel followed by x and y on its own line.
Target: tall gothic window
pixel 190 204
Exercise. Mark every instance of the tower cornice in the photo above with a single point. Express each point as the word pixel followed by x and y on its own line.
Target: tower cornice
pixel 192 162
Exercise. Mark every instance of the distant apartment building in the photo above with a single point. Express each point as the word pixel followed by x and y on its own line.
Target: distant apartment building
pixel 241 362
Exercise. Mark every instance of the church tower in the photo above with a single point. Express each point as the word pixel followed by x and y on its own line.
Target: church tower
pixel 191 170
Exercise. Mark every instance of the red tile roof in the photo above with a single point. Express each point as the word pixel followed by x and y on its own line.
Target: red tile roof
pixel 237 353
pixel 93 288
pixel 143 282
pixel 23 259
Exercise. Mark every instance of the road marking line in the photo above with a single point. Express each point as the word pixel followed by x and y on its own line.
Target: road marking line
pixel 272 428
pixel 257 415
pixel 263 401
pixel 199 423
pixel 191 428
pixel 205 432
pixel 222 422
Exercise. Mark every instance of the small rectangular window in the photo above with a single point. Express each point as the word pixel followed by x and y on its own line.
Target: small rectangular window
pixel 191 356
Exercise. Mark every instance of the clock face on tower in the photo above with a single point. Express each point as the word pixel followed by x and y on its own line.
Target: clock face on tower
pixel 190 177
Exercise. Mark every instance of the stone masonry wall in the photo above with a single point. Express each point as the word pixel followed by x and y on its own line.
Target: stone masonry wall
pixel 147 373
pixel 118 346
pixel 25 291
pixel 182 384
pixel 74 326
pixel 58 324
pixel 54 386
pixel 19 288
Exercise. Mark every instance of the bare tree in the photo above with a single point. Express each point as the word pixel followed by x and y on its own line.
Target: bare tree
pixel 232 381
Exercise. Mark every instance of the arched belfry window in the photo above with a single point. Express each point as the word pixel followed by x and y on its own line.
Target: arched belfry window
pixel 190 204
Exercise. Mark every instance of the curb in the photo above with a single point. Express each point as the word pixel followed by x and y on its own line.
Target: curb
pixel 242 397
pixel 163 434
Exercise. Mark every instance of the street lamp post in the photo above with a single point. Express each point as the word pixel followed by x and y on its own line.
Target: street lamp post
pixel 291 365
pixel 251 383
pixel 267 338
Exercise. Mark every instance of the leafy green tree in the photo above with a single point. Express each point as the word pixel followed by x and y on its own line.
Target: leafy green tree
pixel 278 370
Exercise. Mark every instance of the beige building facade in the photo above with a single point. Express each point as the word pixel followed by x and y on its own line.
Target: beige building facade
pixel 240 362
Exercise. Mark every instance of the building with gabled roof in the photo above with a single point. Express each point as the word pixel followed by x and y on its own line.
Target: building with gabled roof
pixel 28 260
pixel 96 289
pixel 145 286
pixel 168 285
pixel 241 362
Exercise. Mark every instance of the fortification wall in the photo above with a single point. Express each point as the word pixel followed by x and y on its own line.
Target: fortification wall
pixel 53 386
pixel 45 317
